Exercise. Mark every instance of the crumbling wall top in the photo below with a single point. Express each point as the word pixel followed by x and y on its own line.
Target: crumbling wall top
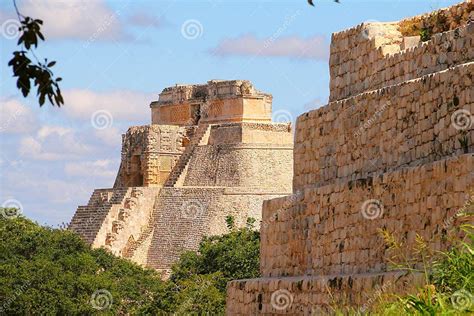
pixel 369 55
pixel 213 89
pixel 217 101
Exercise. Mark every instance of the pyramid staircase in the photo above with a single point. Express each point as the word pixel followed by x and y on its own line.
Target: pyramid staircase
pixel 134 209
pixel 133 244
pixel 199 136
pixel 88 219
pixel 183 160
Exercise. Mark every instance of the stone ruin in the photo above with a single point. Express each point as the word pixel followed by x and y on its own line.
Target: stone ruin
pixel 392 150
pixel 211 151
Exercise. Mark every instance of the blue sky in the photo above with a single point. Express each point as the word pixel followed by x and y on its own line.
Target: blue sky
pixel 116 56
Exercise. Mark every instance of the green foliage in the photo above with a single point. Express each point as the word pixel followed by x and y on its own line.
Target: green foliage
pixel 449 288
pixel 53 272
pixel 429 302
pixel 310 2
pixel 30 32
pixel 436 22
pixel 464 142
pixel 455 269
pixel 39 73
pixel 202 277
pixel 250 223
pixel 425 34
pixel 449 275
pixel 200 294
pixel 235 255
pixel 230 222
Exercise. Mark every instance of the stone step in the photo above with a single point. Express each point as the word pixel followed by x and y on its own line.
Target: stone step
pixel 186 156
pixel 442 51
pixel 335 229
pixel 383 130
pixel 290 295
pixel 88 220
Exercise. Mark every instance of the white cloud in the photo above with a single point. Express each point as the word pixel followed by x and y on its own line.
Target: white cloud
pixel 33 189
pixel 109 136
pixel 122 105
pixel 15 118
pixel 57 191
pixel 104 168
pixel 46 131
pixel 60 157
pixel 76 19
pixel 53 143
pixel 315 47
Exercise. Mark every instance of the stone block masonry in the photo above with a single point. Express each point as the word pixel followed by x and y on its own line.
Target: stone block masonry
pixel 313 295
pixel 379 56
pixel 393 150
pixel 180 210
pixel 216 102
pixel 210 152
pixel 402 125
pixel 334 229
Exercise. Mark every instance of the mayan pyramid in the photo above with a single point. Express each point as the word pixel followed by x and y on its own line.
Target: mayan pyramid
pixel 211 151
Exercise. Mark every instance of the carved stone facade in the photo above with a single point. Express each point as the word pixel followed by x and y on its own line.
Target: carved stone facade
pixel 149 152
pixel 392 150
pixel 182 175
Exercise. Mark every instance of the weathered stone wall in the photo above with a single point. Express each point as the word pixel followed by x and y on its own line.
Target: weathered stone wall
pixel 183 216
pixel 253 133
pixel 398 159
pixel 212 90
pixel 265 166
pixel 334 229
pixel 309 295
pixel 125 222
pixel 88 219
pixel 439 21
pixel 214 102
pixel 234 201
pixel 137 251
pixel 180 114
pixel 381 55
pixel 401 125
pixel 149 153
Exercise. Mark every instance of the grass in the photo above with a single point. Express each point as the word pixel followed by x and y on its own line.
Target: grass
pixel 448 276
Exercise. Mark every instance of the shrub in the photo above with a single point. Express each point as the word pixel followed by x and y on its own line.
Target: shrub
pixel 47 271
pixel 449 275
pixel 53 272
pixel 219 260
